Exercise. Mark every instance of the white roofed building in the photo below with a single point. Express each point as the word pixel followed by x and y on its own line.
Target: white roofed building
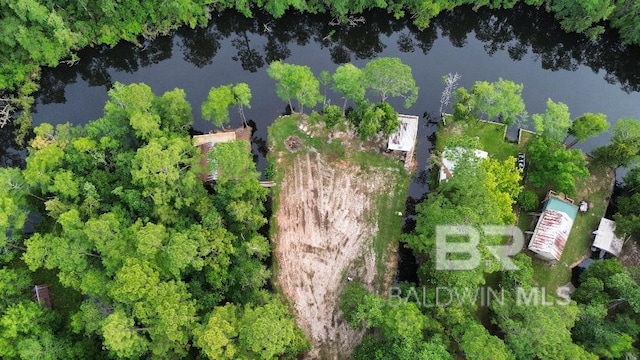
pixel 405 138
pixel 606 239
pixel 450 156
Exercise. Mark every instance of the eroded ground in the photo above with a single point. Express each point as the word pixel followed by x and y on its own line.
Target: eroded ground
pixel 325 229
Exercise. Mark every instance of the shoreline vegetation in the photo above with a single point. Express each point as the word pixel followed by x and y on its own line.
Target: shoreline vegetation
pixel 39 34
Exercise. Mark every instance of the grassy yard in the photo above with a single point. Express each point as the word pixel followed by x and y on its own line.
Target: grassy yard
pixel 490 135
pixel 389 225
pixel 596 190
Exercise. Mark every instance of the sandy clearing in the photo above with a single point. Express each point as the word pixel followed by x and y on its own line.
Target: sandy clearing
pixel 325 223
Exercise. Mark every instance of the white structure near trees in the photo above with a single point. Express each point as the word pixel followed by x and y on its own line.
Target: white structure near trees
pixel 405 138
pixel 606 239
pixel 450 156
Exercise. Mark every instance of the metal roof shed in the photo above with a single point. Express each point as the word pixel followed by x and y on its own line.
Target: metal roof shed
pixel 553 229
pixel 42 295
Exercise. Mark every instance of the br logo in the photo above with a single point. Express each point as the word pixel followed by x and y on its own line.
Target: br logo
pixel 469 249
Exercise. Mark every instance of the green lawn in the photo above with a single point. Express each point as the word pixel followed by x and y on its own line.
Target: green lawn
pixel 490 135
pixel 389 225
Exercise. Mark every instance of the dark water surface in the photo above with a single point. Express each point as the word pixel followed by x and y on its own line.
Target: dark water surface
pixel 523 45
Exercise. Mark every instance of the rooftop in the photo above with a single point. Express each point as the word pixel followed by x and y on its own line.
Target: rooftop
pixel 606 238
pixel 405 138
pixel 219 137
pixel 450 157
pixel 205 143
pixel 42 295
pixel 553 228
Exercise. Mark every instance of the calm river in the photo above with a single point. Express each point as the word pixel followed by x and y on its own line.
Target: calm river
pixel 524 45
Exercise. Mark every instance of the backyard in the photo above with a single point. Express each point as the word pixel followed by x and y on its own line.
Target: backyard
pixel 596 189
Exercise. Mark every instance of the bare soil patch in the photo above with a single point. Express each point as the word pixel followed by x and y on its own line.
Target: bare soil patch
pixel 630 255
pixel 292 143
pixel 326 224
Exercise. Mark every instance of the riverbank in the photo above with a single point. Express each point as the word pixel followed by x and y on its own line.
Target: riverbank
pixel 337 206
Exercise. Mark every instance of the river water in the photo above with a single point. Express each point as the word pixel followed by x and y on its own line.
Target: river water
pixel 524 45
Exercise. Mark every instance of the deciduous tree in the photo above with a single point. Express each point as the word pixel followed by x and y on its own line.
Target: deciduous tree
pixel 295 82
pixel 538 331
pixel 216 107
pixel 588 125
pixel 348 80
pixel 242 97
pixel 501 99
pixel 554 122
pixel 390 77
pixel 553 166
pixel 625 144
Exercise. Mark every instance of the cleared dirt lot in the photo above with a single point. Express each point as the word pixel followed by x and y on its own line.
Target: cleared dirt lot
pixel 326 224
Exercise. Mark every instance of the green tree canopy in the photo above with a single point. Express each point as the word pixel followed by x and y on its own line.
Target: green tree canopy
pixel 588 125
pixel 625 144
pixel 348 80
pixel 609 300
pixel 216 107
pixel 265 331
pixel 538 331
pixel 295 82
pixel 553 166
pixel 219 99
pixel 378 118
pixel 501 99
pixel 554 122
pixel 128 225
pixel 390 77
pixel 628 204
pixel 471 197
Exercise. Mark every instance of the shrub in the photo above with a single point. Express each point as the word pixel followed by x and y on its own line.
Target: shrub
pixel 314 117
pixel 528 200
pixel 332 115
pixel 270 170
pixel 351 297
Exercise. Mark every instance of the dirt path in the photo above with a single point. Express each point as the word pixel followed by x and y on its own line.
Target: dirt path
pixel 325 227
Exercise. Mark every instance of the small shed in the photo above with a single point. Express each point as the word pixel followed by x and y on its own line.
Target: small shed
pixel 41 295
pixel 205 143
pixel 405 138
pixel 606 239
pixel 553 228
pixel 450 157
